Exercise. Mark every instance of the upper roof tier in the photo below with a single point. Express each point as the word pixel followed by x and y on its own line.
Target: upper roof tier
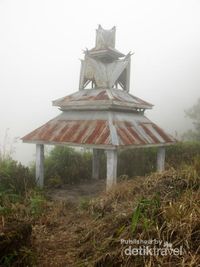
pixel 101 99
pixel 109 80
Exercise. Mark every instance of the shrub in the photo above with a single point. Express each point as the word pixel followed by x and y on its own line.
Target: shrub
pixel 182 153
pixel 14 177
pixel 72 166
pixel 141 161
pixel 69 165
pixel 54 182
pixel 36 204
pixel 134 162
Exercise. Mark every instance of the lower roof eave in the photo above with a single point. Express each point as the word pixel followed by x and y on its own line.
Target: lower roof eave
pixel 70 144
pixel 146 146
pixel 106 147
pixel 112 107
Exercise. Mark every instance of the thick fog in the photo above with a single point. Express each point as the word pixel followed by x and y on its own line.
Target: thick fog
pixel 41 42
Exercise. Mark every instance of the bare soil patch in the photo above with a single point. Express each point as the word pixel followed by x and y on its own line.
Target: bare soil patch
pixel 74 193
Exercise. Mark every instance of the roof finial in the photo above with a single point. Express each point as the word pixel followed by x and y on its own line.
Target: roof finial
pixel 105 38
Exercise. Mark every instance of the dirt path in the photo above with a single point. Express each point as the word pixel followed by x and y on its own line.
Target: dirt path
pixel 55 235
pixel 74 193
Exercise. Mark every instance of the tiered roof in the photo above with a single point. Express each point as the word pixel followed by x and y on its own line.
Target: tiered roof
pixel 106 115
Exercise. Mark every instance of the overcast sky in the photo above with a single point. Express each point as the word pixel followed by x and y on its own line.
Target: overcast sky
pixel 41 42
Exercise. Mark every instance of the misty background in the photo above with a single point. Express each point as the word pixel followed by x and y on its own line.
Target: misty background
pixel 41 42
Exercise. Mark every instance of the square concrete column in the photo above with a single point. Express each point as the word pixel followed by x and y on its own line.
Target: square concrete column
pixel 39 165
pixel 111 168
pixel 96 163
pixel 161 159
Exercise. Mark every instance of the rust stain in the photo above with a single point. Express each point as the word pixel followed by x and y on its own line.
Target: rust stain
pixel 102 96
pixel 82 132
pixel 98 132
pixel 104 137
pixel 62 132
pixel 48 128
pixel 70 132
pixel 124 137
pixel 149 133
pixel 166 137
pixel 134 133
pixel 85 132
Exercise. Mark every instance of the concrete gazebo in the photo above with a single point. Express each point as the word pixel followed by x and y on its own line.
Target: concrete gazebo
pixel 103 117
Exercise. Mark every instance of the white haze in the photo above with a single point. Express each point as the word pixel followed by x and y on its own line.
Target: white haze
pixel 42 40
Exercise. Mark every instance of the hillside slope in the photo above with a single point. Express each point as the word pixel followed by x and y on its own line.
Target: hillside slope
pixel 129 219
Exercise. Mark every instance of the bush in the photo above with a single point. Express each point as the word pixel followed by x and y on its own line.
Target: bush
pixel 182 153
pixel 142 161
pixel 70 166
pixel 67 164
pixel 55 182
pixel 36 204
pixel 14 177
pixel 134 162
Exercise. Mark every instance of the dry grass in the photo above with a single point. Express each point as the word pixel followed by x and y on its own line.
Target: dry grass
pixel 89 235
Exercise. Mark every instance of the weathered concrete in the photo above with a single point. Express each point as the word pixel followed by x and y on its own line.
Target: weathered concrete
pixel 39 164
pixel 111 168
pixel 96 163
pixel 161 159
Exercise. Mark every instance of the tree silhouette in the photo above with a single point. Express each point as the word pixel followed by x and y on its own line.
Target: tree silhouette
pixel 194 114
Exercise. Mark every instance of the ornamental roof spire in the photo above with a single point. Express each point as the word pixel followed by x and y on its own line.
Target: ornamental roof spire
pixel 104 67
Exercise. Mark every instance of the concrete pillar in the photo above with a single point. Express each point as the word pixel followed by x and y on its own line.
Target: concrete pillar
pixel 161 159
pixel 96 163
pixel 111 168
pixel 39 165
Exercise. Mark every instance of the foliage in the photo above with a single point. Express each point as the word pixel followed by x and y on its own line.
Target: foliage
pixel 133 162
pixel 15 211
pixel 19 197
pixel 54 182
pixel 145 212
pixel 14 177
pixel 67 164
pixel 7 148
pixel 166 208
pixel 182 153
pixel 194 114
pixel 84 203
pixel 14 242
pixel 163 206
pixel 36 203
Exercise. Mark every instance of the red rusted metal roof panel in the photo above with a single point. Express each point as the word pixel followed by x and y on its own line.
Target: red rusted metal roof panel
pixel 141 134
pixel 121 130
pixel 97 97
pixel 78 132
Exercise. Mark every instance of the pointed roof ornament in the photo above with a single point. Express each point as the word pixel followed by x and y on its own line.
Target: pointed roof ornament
pixel 104 67
pixel 105 45
pixel 105 38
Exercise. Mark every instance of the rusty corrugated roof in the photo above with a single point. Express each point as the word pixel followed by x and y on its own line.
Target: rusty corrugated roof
pixel 104 116
pixel 107 130
pixel 101 99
